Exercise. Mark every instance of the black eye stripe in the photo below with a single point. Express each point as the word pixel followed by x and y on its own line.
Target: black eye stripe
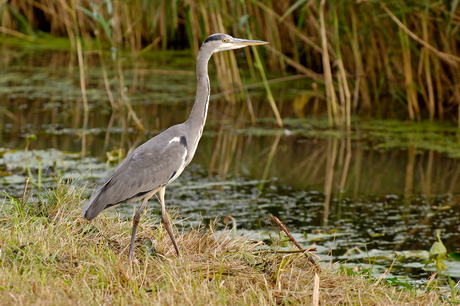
pixel 216 37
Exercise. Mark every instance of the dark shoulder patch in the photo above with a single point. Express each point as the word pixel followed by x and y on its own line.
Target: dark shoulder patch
pixel 183 141
pixel 174 173
pixel 215 37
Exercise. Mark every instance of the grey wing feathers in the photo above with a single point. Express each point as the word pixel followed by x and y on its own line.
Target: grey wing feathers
pixel 147 168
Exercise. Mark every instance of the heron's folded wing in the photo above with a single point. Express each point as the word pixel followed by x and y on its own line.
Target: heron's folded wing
pixel 147 168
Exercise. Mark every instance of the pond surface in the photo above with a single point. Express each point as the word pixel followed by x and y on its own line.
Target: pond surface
pixel 364 197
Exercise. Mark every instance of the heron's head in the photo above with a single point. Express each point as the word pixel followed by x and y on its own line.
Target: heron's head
pixel 223 42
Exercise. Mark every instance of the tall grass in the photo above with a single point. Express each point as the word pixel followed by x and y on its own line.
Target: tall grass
pixel 391 58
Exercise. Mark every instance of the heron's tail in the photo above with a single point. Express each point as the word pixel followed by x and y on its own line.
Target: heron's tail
pixel 93 206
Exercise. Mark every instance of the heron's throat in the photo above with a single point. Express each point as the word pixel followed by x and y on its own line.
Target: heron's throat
pixel 197 118
pixel 202 63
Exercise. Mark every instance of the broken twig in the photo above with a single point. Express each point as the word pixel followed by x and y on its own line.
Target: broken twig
pixel 285 230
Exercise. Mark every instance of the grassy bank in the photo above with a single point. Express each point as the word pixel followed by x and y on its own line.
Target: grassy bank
pixel 384 59
pixel 51 255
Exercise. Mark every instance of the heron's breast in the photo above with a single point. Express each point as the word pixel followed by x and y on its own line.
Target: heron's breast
pixel 184 157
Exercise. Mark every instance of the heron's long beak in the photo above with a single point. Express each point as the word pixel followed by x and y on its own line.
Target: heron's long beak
pixel 237 43
pixel 247 42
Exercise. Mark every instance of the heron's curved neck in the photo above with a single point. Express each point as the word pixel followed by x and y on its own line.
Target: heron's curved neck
pixel 197 117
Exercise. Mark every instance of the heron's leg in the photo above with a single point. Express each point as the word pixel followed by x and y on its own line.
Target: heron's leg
pixel 164 216
pixel 136 219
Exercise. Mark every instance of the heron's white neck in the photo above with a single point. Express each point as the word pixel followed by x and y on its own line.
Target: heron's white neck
pixel 197 118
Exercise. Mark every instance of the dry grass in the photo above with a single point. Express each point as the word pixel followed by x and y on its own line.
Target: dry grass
pixel 50 255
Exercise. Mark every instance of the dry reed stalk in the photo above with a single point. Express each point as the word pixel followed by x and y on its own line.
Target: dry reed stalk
pixel 411 95
pixel 342 78
pixel 439 87
pixel 421 84
pixel 361 84
pixel 426 58
pixel 333 110
pixel 342 102
pixel 448 58
pixel 347 104
pixel 274 33
pixel 373 68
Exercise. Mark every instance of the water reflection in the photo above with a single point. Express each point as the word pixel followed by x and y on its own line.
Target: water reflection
pixel 339 168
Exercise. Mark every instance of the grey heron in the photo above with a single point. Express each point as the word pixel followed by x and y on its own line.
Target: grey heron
pixel 152 166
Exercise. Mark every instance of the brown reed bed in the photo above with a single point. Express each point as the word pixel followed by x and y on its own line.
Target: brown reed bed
pixel 51 255
pixel 383 59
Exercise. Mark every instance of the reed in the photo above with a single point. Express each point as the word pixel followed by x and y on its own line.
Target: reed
pixel 348 48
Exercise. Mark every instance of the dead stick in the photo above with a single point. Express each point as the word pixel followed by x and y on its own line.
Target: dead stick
pixel 28 195
pixel 284 228
pixel 24 192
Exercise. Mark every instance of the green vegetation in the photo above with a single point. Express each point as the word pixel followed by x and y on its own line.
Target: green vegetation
pixel 390 59
pixel 51 255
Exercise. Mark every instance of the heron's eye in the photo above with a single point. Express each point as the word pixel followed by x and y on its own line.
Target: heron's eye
pixel 224 40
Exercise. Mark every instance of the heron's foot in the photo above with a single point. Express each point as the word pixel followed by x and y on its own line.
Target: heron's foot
pixel 171 234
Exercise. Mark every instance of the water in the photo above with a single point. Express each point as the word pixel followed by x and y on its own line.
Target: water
pixel 382 191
